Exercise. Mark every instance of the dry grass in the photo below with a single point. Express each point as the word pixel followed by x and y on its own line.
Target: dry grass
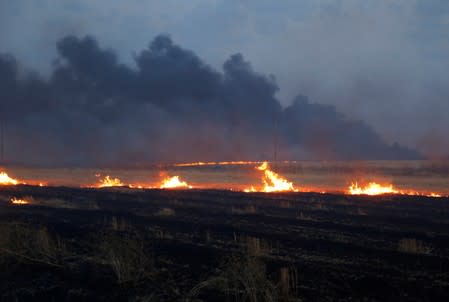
pixel 285 204
pixel 413 246
pixel 30 244
pixel 255 246
pixel 360 212
pixel 160 233
pixel 166 212
pixel 115 223
pixel 288 282
pixel 54 202
pixel 319 206
pixel 245 278
pixel 130 261
pixel 250 209
pixel 302 216
pixel 241 278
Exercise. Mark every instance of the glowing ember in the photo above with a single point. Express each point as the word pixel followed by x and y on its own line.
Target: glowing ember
pixel 371 189
pixel 217 163
pixel 15 200
pixel 174 182
pixel 6 180
pixel 135 186
pixel 272 181
pixel 110 182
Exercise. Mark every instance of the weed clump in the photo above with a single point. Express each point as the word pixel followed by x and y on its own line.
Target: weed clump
pixel 128 257
pixel 31 244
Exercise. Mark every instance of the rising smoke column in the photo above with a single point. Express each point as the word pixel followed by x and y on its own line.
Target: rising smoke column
pixel 171 106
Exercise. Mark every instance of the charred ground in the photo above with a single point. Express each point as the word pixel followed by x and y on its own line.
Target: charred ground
pixel 197 245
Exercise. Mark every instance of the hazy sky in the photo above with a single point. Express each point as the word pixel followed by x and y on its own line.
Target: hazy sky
pixel 386 62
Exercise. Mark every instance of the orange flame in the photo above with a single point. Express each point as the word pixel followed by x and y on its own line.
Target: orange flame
pixel 272 181
pixel 371 189
pixel 19 201
pixel 136 186
pixel 217 163
pixel 6 180
pixel 173 183
pixel 374 188
pixel 251 189
pixel 110 182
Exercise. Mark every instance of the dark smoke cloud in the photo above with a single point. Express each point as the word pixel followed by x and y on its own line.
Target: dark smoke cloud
pixel 171 106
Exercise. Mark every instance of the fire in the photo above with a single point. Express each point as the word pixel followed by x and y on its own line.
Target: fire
pixel 374 188
pixel 15 200
pixel 217 163
pixel 252 189
pixel 136 186
pixel 110 182
pixel 6 180
pixel 174 182
pixel 272 181
pixel 371 189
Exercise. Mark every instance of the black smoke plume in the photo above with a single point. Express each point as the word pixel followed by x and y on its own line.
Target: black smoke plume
pixel 169 107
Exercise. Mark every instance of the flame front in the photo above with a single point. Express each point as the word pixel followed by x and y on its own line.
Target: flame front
pixel 19 201
pixel 6 180
pixel 272 181
pixel 372 188
pixel 217 163
pixel 110 182
pixel 174 182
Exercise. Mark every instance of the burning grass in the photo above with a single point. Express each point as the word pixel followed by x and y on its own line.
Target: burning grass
pixel 21 201
pixel 174 182
pixel 6 180
pixel 107 181
pixel 272 182
pixel 371 189
pixel 374 188
pixel 234 179
pixel 218 163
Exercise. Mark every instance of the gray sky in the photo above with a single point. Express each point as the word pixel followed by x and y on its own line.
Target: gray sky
pixel 386 62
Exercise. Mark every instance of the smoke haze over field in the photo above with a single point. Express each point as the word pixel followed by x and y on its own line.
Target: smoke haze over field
pixel 171 107
pixel 385 63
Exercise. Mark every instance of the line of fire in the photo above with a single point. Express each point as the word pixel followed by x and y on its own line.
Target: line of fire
pixel 269 182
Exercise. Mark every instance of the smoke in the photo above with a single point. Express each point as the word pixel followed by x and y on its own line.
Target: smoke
pixel 170 106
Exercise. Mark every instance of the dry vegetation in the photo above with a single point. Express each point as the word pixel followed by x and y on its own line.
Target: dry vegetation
pixel 221 246
pixel 413 246
pixel 27 243
pixel 128 257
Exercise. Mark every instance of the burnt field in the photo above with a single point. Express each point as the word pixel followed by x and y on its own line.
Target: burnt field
pixel 120 244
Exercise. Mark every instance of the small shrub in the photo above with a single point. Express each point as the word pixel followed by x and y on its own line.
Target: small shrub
pixel 128 258
pixel 33 244
pixel 241 278
pixel 288 282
